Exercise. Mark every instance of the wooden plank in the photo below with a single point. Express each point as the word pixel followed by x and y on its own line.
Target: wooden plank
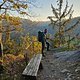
pixel 33 65
pixel 37 65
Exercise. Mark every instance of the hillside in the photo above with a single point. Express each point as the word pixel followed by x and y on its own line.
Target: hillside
pixel 34 27
pixel 72 22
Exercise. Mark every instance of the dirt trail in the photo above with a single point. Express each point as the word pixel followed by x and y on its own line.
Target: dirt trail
pixel 60 66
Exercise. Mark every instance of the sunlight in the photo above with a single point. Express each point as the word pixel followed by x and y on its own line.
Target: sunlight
pixel 39 35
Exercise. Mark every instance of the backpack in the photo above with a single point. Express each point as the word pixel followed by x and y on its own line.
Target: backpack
pixel 40 36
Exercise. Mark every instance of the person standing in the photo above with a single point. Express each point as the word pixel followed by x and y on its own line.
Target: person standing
pixel 47 39
pixel 41 38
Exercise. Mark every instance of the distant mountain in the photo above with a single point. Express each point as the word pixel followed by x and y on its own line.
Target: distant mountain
pixel 33 27
pixel 72 22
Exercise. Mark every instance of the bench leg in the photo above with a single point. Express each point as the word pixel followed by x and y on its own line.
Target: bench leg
pixel 40 66
pixel 30 78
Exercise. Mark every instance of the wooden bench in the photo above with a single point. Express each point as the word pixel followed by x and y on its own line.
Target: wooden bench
pixel 30 72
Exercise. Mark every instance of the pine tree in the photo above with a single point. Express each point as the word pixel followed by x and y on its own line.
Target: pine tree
pixel 61 18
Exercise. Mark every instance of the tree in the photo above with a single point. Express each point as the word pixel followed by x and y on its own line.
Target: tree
pixel 61 18
pixel 17 6
pixel 10 23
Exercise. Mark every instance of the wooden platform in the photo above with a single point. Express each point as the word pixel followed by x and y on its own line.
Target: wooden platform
pixel 31 69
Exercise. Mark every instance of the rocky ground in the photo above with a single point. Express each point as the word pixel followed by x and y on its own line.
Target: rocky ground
pixel 60 66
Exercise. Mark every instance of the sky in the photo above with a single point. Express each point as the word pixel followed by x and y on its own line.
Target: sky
pixel 45 10
pixel 41 9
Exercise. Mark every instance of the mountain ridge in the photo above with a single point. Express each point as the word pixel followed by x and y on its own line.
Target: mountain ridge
pixel 33 27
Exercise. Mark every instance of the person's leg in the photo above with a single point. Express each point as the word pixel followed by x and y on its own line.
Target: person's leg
pixel 43 46
pixel 47 46
pixel 1 68
pixel 0 51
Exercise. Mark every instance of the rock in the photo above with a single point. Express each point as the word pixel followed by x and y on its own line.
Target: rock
pixel 53 70
pixel 70 77
pixel 65 71
pixel 77 70
pixel 78 77
pixel 67 79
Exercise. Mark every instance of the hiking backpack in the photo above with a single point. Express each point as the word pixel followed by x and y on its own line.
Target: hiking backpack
pixel 40 36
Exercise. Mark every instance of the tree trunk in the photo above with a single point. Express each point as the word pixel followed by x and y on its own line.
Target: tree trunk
pixel 69 42
pixel 8 33
pixel 1 44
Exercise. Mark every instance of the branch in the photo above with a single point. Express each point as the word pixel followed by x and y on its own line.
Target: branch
pixel 72 27
pixel 73 37
pixel 65 10
pixel 52 21
pixel 69 10
pixel 33 5
pixel 54 11
pixel 5 8
pixel 71 14
pixel 2 4
pixel 65 22
pixel 7 31
pixel 60 4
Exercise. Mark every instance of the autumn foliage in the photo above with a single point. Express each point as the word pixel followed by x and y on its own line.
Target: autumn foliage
pixel 15 54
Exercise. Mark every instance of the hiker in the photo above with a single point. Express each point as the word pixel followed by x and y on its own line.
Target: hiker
pixel 47 39
pixel 41 38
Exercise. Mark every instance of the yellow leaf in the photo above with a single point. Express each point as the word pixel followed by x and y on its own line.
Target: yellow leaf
pixel 15 6
pixel 23 13
pixel 24 6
